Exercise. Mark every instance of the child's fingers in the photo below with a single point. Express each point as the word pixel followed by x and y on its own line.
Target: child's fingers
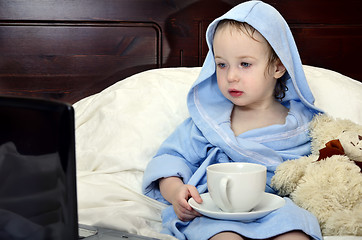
pixel 186 205
pixel 195 194
pixel 181 206
pixel 187 215
pixel 184 212
pixel 196 213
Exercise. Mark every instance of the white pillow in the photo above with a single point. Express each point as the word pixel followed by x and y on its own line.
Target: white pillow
pixel 121 127
pixel 336 94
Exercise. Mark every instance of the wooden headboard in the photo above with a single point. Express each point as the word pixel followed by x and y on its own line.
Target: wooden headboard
pixel 67 50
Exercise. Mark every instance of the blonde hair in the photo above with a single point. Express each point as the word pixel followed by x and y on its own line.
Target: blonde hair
pixel 280 86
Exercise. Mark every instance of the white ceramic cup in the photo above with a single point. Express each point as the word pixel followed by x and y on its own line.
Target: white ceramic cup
pixel 236 186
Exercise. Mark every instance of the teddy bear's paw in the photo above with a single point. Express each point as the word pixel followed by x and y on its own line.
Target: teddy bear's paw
pixel 344 222
pixel 288 174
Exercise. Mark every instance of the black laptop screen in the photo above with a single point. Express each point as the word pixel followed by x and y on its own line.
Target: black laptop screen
pixel 37 170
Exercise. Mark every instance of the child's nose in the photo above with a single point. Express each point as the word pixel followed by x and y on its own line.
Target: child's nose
pixel 233 75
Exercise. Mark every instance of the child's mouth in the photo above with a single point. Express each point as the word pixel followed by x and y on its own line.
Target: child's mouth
pixel 235 93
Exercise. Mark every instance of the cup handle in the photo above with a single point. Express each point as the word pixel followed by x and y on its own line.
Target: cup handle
pixel 223 190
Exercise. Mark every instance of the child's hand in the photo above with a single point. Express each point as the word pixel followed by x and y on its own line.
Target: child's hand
pixel 179 201
pixel 177 193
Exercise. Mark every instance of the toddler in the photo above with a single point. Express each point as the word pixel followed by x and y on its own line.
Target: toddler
pixel 250 103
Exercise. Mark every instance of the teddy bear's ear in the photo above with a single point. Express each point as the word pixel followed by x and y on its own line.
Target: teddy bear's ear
pixel 333 147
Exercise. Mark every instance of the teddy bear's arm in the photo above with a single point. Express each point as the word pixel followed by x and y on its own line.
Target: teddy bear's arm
pixel 288 174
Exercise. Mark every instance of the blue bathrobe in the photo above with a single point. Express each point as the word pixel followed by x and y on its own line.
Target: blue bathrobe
pixel 206 137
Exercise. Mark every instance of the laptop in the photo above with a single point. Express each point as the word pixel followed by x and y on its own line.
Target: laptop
pixel 38 196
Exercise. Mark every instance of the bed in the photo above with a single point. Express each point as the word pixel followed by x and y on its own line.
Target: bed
pixel 126 67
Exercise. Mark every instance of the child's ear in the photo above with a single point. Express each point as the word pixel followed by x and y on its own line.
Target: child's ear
pixel 279 69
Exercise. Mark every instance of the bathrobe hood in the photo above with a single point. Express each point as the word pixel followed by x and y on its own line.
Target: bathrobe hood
pixel 209 108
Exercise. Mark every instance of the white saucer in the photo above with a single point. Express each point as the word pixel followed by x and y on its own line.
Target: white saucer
pixel 208 208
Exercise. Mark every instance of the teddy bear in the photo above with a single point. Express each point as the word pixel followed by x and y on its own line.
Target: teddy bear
pixel 328 182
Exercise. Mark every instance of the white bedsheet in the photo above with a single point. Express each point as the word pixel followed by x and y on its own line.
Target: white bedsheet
pixel 119 130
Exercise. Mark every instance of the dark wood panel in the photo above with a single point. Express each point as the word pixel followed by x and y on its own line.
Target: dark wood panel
pixel 334 47
pixel 319 11
pixel 56 59
pixel 296 11
pixel 105 10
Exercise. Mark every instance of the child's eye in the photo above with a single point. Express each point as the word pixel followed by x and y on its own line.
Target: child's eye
pixel 221 65
pixel 245 65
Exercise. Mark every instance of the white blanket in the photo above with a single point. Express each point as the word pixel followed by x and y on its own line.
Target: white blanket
pixel 119 130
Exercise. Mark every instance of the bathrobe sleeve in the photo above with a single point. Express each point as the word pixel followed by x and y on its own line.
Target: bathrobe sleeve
pixel 180 155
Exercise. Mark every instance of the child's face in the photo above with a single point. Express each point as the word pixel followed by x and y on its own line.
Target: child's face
pixel 241 68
